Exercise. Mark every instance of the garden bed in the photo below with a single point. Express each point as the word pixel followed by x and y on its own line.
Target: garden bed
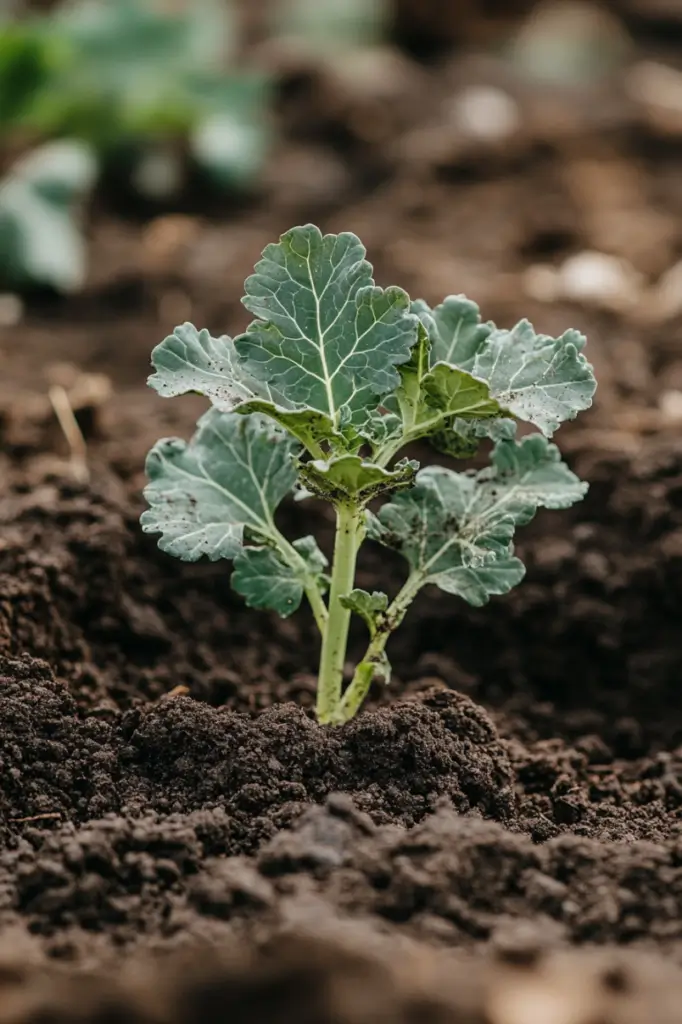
pixel 510 803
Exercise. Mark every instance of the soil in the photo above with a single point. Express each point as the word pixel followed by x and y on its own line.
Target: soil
pixel 497 838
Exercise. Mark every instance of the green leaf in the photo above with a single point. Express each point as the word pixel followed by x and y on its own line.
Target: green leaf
pixel 530 473
pixel 308 426
pixel 40 234
pixel 409 394
pixel 380 428
pixel 29 59
pixel 327 337
pixel 540 379
pixel 370 607
pixel 477 585
pixel 430 396
pixel 457 444
pixel 455 329
pixel 497 429
pixel 315 560
pixel 230 477
pixel 451 522
pixel 266 578
pixel 535 377
pixel 135 46
pixel 460 438
pixel 191 360
pixel 131 73
pixel 129 61
pixel 455 392
pixel 350 476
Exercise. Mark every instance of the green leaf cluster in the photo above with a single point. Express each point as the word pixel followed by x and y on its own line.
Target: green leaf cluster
pixel 142 89
pixel 119 73
pixel 321 394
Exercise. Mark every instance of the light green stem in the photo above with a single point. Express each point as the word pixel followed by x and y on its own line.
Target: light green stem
pixel 362 679
pixel 319 608
pixel 349 532
pixel 364 673
pixel 312 590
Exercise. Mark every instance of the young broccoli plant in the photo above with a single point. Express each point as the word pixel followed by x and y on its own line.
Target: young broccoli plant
pixel 319 397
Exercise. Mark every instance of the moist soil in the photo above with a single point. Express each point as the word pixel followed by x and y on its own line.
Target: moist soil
pixel 497 837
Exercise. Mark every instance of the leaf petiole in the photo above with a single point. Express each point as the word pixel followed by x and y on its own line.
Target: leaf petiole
pixel 310 585
pixel 366 669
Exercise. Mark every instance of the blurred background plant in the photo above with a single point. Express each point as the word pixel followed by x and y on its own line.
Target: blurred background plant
pixel 151 91
pixel 189 129
pixel 154 95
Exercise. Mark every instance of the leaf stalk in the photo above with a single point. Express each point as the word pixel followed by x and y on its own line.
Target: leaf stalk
pixel 364 673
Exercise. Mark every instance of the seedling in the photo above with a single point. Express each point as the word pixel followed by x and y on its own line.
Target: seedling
pixel 319 397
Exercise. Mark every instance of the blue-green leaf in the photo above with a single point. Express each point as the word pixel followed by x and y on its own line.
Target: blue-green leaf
pixel 230 477
pixel 540 379
pixel 455 329
pixel 370 607
pixel 137 49
pixel 535 377
pixel 322 25
pixel 268 578
pixel 456 529
pixel 231 140
pixel 328 338
pixel 191 360
pixel 380 428
pixel 350 476
pixel 477 584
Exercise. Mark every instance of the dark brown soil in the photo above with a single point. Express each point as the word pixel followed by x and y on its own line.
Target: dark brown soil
pixel 514 800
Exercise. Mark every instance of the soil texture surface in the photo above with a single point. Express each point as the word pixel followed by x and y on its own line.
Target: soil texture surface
pixel 497 837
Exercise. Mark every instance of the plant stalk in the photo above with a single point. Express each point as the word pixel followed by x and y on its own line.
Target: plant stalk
pixel 349 523
pixel 364 673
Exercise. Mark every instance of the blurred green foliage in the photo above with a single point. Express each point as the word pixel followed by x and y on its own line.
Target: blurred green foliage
pixel 146 88
pixel 129 80
pixel 115 72
pixel 331 25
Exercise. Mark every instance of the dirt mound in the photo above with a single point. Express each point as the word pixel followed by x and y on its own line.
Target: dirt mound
pixel 131 816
